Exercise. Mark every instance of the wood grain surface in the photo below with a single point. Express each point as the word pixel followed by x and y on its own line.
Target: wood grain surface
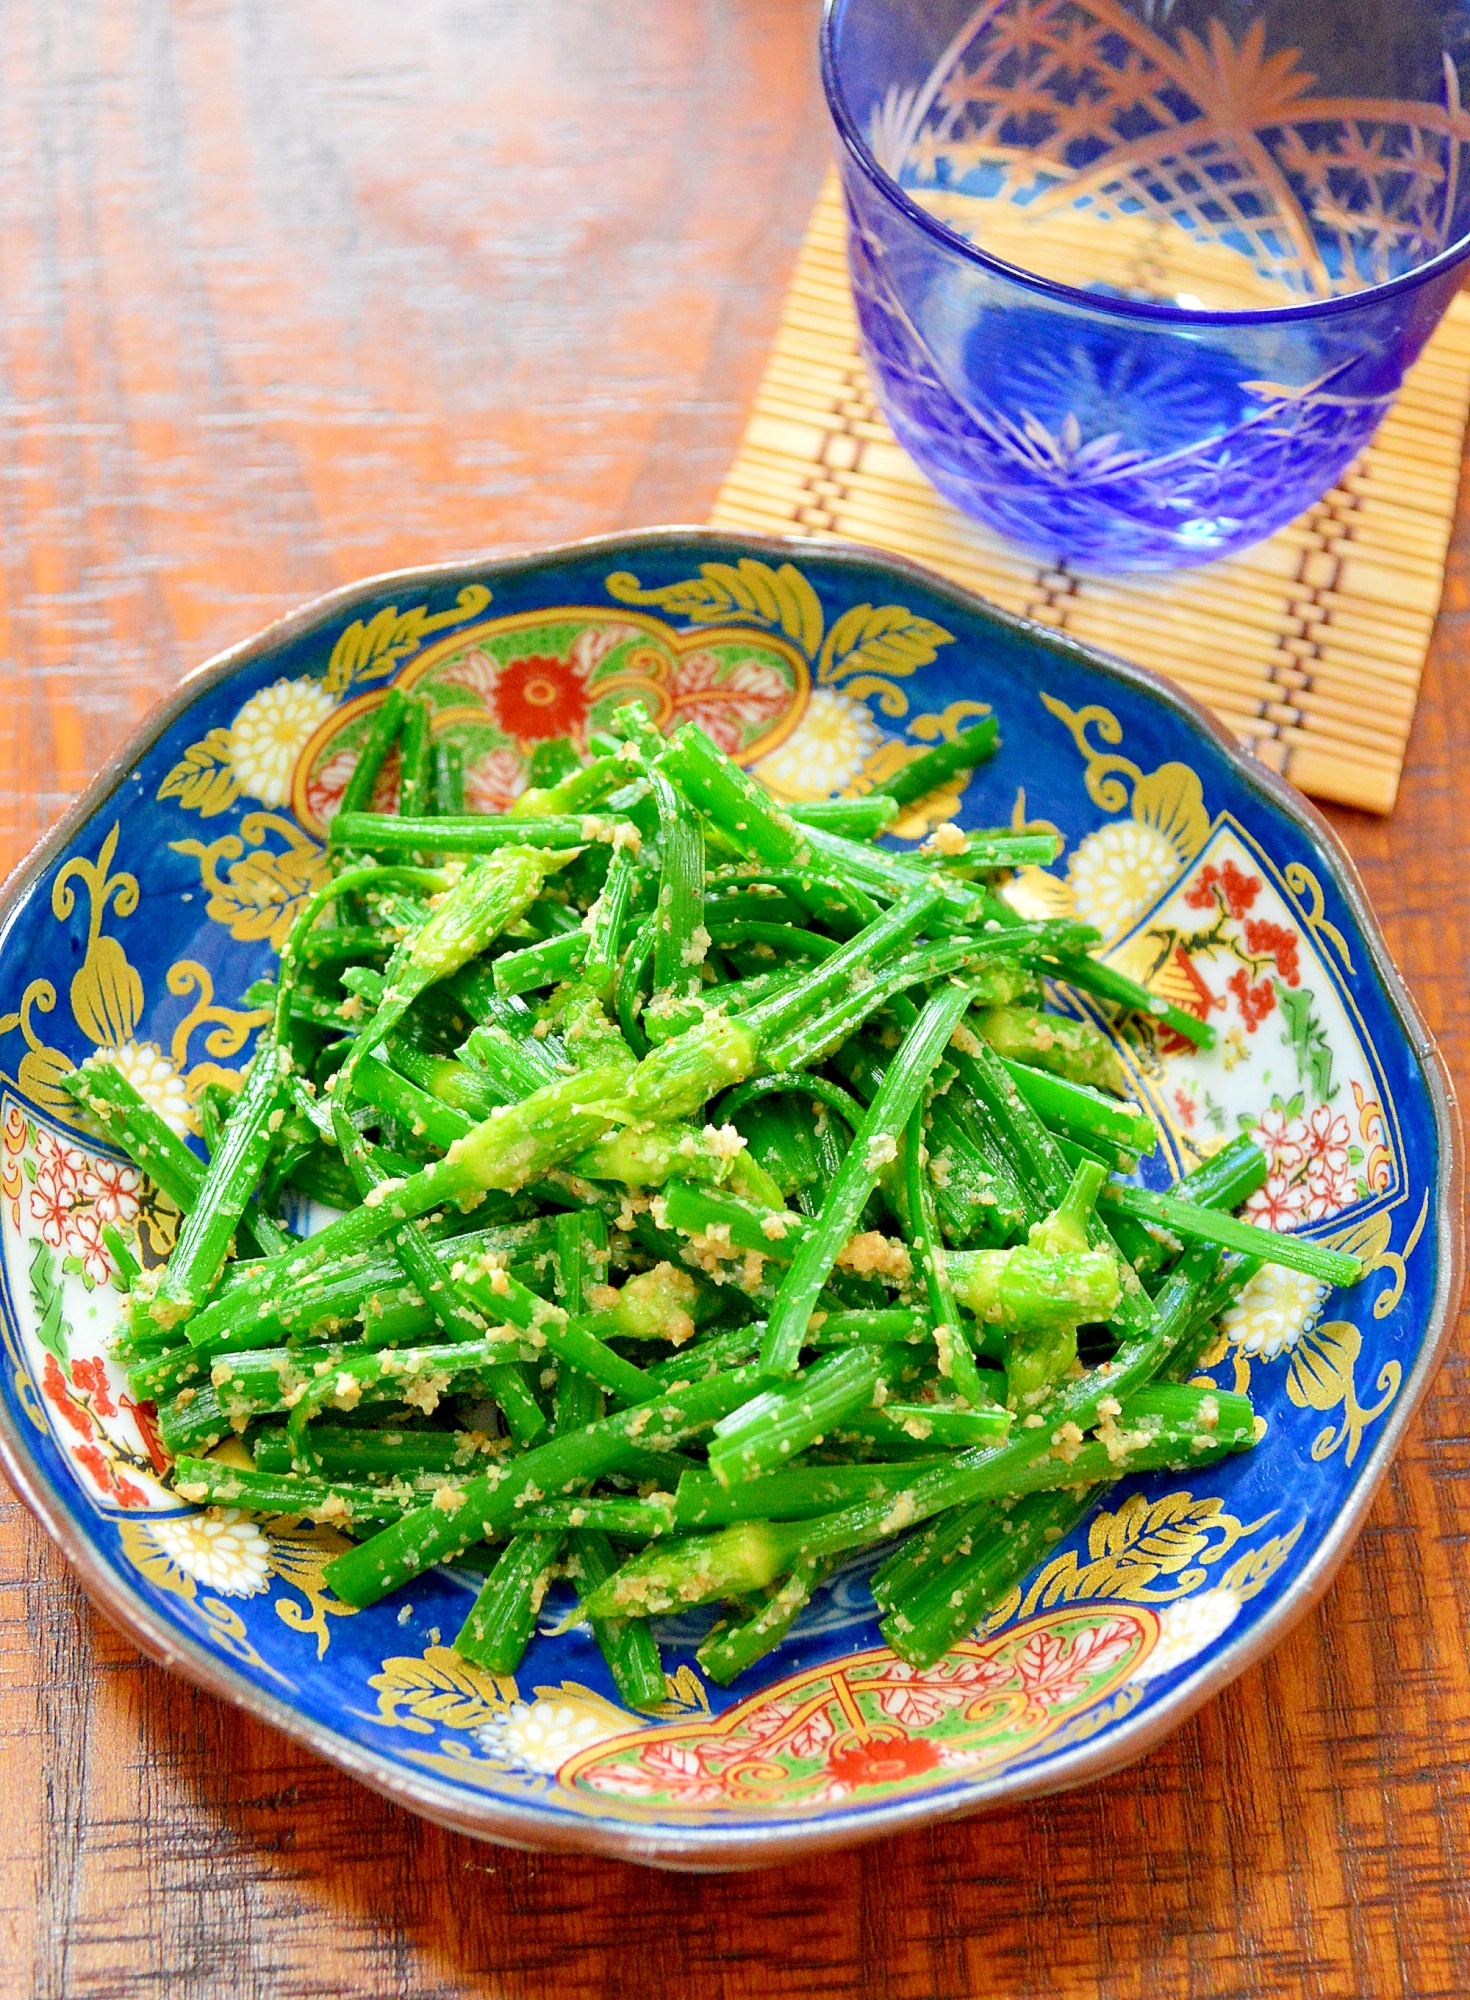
pixel 293 292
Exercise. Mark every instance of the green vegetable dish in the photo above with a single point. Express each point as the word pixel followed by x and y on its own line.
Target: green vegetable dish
pixel 713 1198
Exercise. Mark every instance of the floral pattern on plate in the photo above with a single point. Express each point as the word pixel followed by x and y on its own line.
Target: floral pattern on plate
pixel 504 687
pixel 139 934
pixel 55 1197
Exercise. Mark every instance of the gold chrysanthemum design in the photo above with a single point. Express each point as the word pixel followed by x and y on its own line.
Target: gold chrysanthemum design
pixel 219 1550
pixel 156 1081
pixel 269 734
pixel 1273 1312
pixel 825 751
pixel 1118 871
pixel 541 1735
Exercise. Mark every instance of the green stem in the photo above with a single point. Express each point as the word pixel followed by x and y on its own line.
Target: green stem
pixel 426 1115
pixel 606 921
pixel 952 1425
pixel 415 777
pixel 363 1575
pixel 579 792
pixel 381 734
pixel 800 1083
pixel 498 1629
pixel 581 1256
pixel 779 1423
pixel 448 779
pixel 543 964
pixel 732 1649
pixel 799 1494
pixel 206 1482
pixel 814 991
pixel 977 960
pixel 983 1471
pixel 341 944
pixel 1196 1224
pixel 129 1120
pixel 1074 1050
pixel 1228 1177
pixel 630 1649
pixel 926 773
pixel 854 819
pixel 347 1454
pixel 199 1253
pixel 384 833
pixel 990 850
pixel 702 1569
pixel 874 1144
pixel 1077 969
pixel 922 1630
pixel 512 1067
pixel 747 816
pixel 956 1361
pixel 680 940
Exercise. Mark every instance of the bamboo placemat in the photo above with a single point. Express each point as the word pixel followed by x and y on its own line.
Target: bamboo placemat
pixel 1309 646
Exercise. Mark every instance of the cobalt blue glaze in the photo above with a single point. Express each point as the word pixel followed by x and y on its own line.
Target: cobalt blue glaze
pixel 1268 1527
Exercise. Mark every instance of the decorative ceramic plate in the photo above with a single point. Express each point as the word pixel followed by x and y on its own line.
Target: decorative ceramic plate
pixel 139 924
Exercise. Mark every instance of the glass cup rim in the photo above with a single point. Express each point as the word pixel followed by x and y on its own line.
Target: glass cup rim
pixel 1078 295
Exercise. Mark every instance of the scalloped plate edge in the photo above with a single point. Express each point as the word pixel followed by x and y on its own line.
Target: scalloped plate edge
pixel 714 1848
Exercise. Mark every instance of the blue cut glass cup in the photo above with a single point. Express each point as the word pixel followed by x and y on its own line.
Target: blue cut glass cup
pixel 1136 280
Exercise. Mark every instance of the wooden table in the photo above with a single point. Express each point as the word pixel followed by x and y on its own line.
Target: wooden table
pixel 293 293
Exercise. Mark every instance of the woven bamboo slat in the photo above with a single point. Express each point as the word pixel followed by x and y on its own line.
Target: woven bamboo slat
pixel 1309 647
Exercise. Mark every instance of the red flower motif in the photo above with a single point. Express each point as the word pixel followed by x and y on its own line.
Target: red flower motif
pixel 1235 890
pixel 90 1376
pixel 1201 892
pixel 1185 1105
pixel 61 1164
pixel 1280 1139
pixel 539 697
pixel 1328 1193
pixel 128 1494
pixel 1266 939
pixel 884 1761
pixel 95 1463
pixel 53 1384
pixel 1240 890
pixel 1276 1205
pixel 1330 1182
pixel 112 1189
pixel 1256 1001
pixel 84 1242
pixel 50 1206
pixel 1328 1138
